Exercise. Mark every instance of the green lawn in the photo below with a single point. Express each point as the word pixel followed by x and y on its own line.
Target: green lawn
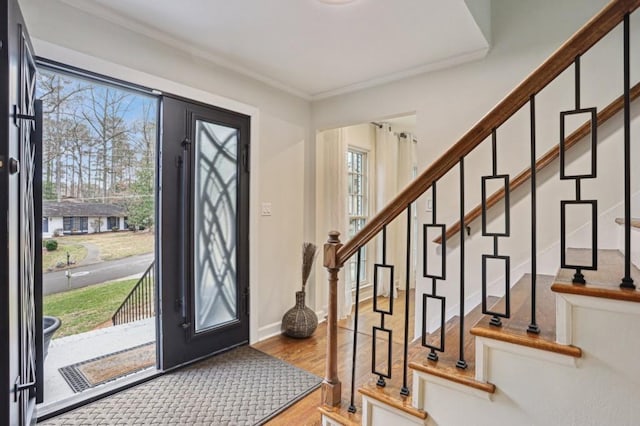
pixel 86 308
pixel 116 245
pixel 51 258
pixel 112 246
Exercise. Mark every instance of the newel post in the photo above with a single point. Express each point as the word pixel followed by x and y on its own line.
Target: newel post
pixel 331 386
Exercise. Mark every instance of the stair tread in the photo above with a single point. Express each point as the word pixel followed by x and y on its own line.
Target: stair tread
pixel 514 329
pixel 520 318
pixel 545 306
pixel 614 293
pixel 341 414
pixel 451 353
pixel 464 377
pixel 519 336
pixel 603 283
pixel 390 395
pixel 610 268
pixel 445 366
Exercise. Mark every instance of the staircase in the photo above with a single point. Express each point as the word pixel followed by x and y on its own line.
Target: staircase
pixel 548 339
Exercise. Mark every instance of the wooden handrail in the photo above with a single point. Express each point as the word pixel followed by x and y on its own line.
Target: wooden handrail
pixel 547 158
pixel 594 30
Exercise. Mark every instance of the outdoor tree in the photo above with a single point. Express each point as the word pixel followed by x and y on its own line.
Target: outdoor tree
pixel 99 145
pixel 140 205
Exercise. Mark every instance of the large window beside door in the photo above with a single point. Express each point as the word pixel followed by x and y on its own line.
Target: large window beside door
pixel 357 204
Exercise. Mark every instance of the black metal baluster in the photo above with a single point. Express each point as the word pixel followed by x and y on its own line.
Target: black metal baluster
pixel 407 282
pixel 533 326
pixel 352 407
pixel 461 363
pixel 381 382
pixel 147 296
pixel 382 375
pixel 151 281
pixel 496 316
pixel 433 356
pixel 627 281
pixel 578 277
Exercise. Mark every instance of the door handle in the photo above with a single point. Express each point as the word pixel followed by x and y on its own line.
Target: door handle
pixel 184 201
pixel 14 166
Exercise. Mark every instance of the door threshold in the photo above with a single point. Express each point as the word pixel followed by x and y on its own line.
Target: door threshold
pixel 46 411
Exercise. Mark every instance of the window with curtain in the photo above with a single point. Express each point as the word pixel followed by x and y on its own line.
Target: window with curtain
pixel 357 205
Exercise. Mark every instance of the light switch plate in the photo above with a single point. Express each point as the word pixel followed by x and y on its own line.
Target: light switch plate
pixel 429 206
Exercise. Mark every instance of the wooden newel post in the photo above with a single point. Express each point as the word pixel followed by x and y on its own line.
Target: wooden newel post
pixel 331 386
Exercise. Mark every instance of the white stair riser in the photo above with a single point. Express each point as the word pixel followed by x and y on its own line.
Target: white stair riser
pixel 538 388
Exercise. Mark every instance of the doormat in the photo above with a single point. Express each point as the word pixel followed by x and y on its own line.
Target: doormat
pixel 96 371
pixel 241 387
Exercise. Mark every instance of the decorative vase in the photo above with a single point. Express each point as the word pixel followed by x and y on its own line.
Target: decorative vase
pixel 300 321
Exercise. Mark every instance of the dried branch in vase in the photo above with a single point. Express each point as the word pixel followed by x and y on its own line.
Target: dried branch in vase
pixel 308 255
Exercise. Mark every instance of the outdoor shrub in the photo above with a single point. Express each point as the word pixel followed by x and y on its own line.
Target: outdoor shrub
pixel 115 229
pixel 58 233
pixel 51 245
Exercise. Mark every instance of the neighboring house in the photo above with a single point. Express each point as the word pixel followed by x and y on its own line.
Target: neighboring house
pixel 68 217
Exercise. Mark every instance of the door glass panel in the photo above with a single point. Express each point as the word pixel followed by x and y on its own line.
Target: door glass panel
pixel 215 291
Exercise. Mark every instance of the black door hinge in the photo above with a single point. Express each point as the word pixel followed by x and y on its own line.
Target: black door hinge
pixel 20 387
pixel 246 157
pixel 17 116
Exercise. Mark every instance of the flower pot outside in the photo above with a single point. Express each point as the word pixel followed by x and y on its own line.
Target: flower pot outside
pixel 50 325
pixel 300 321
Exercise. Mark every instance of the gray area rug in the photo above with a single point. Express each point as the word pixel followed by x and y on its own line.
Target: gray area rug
pixel 241 387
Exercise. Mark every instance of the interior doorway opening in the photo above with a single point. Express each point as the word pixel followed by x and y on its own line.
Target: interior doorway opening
pixel 99 177
pixel 360 168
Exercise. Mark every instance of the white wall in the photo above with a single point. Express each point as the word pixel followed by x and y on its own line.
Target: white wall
pixel 54 223
pixel 279 136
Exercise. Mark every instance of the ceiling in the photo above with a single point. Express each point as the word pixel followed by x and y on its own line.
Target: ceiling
pixel 307 47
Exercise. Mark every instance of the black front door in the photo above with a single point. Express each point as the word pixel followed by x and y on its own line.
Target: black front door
pixel 204 237
pixel 20 233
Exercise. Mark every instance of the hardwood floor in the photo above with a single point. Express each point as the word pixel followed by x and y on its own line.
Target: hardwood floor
pixel 309 354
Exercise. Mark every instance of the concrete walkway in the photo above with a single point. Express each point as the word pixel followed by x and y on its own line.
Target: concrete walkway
pixel 84 346
pixel 93 254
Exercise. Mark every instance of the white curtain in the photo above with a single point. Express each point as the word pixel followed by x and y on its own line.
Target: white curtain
pixel 386 188
pixel 335 201
pixel 407 161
